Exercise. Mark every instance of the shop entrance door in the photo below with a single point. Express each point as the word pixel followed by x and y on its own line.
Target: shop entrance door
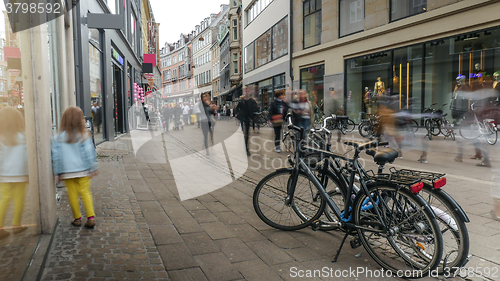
pixel 118 100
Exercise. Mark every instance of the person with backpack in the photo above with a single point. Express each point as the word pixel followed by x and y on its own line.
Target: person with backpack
pixel 277 113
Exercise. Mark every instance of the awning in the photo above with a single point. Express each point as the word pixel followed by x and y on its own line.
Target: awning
pixel 180 95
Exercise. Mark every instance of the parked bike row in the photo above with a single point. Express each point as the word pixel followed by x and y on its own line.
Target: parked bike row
pixel 403 218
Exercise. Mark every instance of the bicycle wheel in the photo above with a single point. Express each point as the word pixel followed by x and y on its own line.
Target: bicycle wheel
pixel 429 127
pixel 270 196
pixel 436 127
pixel 365 130
pixel 490 133
pixel 349 125
pixel 414 125
pixel 470 131
pixel 453 229
pixel 412 244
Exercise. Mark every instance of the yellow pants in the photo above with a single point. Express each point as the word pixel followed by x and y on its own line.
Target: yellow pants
pixel 12 191
pixel 80 186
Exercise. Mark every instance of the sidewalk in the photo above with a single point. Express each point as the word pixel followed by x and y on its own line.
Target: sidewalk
pixel 145 232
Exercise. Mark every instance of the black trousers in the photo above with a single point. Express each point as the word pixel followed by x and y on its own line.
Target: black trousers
pixel 246 131
pixel 206 127
pixel 277 135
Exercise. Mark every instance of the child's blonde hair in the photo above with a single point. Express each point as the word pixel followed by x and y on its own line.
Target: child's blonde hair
pixel 72 122
pixel 11 125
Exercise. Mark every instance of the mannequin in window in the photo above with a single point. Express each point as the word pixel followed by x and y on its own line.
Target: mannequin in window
pixel 459 102
pixel 367 100
pixel 477 78
pixel 496 82
pixel 379 87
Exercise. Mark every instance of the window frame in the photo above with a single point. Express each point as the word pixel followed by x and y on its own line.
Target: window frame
pixel 339 20
pixel 402 18
pixel 309 14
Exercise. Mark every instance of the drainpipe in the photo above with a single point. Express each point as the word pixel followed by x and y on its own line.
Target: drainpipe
pixel 291 43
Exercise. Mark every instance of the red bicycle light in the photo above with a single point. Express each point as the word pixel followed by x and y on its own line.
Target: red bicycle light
pixel 439 183
pixel 417 187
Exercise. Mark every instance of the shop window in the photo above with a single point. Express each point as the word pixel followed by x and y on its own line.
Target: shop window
pixel 280 38
pixel 405 8
pixel 249 57
pixel 312 23
pixel 312 80
pixel 263 49
pixel 133 33
pixel 352 16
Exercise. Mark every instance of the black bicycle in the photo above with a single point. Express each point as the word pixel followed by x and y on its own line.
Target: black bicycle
pixel 395 225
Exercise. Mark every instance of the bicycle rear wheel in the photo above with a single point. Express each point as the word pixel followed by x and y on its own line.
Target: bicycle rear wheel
pixel 470 131
pixel 349 125
pixel 365 130
pixel 453 229
pixel 412 244
pixel 270 196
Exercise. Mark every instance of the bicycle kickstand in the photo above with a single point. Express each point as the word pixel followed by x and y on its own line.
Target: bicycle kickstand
pixel 340 249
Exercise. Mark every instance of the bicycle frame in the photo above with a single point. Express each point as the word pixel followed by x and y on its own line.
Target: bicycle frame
pixel 300 165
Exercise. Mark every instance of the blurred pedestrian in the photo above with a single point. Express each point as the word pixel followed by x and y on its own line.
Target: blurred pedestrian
pixel 277 113
pixel 206 118
pixel 246 111
pixel 13 167
pixel 74 162
pixel 302 110
pixel 166 114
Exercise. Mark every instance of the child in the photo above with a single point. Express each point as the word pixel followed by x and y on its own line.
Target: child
pixel 74 161
pixel 13 168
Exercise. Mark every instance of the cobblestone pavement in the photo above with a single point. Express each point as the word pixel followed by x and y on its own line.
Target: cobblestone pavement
pixel 145 231
pixel 120 247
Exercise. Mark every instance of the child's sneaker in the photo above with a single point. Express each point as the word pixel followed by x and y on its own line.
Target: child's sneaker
pixel 278 149
pixel 90 223
pixel 77 222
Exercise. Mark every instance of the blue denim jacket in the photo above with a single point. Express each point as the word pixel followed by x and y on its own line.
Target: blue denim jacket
pixel 72 157
pixel 14 159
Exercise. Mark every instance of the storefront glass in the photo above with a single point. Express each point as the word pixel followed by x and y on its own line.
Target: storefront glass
pixel 263 49
pixel 312 80
pixel 420 75
pixel 95 66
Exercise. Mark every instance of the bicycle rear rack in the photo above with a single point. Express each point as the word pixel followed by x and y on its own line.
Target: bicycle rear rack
pixel 417 175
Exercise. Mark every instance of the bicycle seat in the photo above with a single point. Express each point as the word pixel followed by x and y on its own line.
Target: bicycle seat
pixel 359 145
pixel 383 156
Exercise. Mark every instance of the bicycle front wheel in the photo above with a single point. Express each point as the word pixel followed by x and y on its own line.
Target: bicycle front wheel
pixel 270 201
pixel 414 125
pixel 491 134
pixel 349 125
pixel 470 131
pixel 412 244
pixel 365 130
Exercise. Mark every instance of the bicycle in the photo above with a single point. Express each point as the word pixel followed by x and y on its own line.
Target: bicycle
pixel 383 214
pixel 436 123
pixel 451 217
pixel 476 128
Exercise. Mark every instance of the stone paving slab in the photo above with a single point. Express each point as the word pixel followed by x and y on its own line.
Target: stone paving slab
pixel 119 247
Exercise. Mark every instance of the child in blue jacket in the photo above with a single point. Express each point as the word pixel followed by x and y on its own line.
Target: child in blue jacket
pixel 74 162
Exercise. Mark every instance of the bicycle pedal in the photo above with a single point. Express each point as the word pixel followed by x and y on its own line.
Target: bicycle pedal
pixel 315 225
pixel 355 243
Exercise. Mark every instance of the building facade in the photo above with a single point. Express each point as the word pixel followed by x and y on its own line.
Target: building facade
pixel 177 71
pixel 412 51
pixel 266 47
pixel 225 58
pixel 115 55
pixel 235 49
pixel 216 72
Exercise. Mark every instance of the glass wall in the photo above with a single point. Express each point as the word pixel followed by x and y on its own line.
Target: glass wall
pixel 352 16
pixel 97 101
pixel 280 38
pixel 312 80
pixel 249 58
pixel 263 49
pixel 417 76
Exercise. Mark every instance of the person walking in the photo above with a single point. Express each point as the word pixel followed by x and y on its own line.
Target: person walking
pixel 96 114
pixel 302 110
pixel 206 111
pixel 246 110
pixel 185 113
pixel 13 168
pixel 277 112
pixel 74 162
pixel 166 114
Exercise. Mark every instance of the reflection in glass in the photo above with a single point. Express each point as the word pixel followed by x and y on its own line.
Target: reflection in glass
pixel 263 49
pixel 280 38
pixel 13 169
pixel 95 56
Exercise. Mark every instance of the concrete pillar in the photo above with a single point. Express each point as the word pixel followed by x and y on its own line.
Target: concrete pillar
pixel 36 77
